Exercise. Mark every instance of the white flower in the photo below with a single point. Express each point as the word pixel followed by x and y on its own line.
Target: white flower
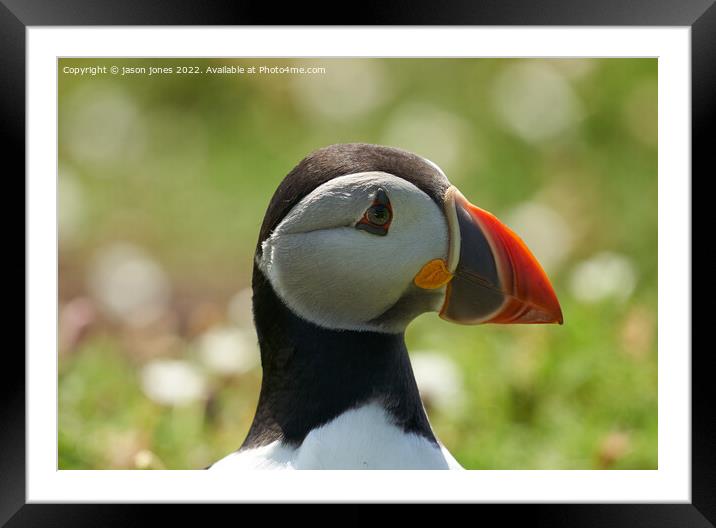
pixel 229 350
pixel 172 382
pixel 431 132
pixel 129 284
pixel 604 276
pixel 239 309
pixel 102 124
pixel 544 231
pixel 535 101
pixel 347 90
pixel 439 380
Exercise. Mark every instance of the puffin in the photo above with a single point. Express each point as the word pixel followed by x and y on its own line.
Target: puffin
pixel 357 241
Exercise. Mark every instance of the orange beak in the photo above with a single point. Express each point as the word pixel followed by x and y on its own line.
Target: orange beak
pixel 496 278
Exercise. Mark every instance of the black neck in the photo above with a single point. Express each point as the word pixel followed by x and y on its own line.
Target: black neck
pixel 312 374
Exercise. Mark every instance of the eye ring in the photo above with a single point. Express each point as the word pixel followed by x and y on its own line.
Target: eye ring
pixel 377 218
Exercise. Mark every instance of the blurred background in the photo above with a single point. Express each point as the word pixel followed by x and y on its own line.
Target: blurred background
pixel 163 184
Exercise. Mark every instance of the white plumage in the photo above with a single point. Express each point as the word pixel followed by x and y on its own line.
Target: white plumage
pixel 362 438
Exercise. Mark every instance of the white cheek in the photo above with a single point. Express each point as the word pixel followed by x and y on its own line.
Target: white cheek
pixel 343 277
pixel 335 278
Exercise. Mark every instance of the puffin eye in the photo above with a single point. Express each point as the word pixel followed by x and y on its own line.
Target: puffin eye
pixel 376 219
pixel 378 215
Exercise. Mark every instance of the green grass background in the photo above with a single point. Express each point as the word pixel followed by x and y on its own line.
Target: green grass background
pixel 183 167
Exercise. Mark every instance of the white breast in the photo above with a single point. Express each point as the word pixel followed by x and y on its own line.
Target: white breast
pixel 363 438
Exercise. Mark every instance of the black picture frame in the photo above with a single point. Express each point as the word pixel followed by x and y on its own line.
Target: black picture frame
pixel 699 15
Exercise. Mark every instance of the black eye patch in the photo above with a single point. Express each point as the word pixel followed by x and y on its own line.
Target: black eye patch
pixel 377 218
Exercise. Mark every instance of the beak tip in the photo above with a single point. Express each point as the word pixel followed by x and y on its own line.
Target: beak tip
pixel 556 312
pixel 559 318
pixel 548 317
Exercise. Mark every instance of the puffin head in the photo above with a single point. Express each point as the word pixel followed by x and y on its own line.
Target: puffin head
pixel 365 238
